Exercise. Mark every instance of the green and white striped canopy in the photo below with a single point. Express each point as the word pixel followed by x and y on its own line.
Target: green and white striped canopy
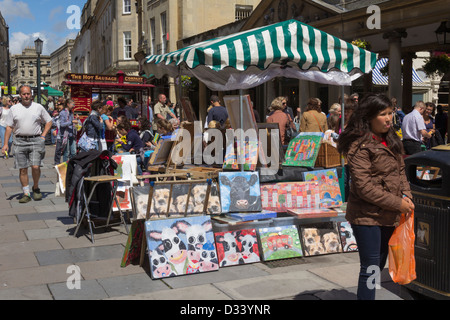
pixel 291 49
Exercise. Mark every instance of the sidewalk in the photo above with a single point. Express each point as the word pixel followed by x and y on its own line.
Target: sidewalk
pixel 37 247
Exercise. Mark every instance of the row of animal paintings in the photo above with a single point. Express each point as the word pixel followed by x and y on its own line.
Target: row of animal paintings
pixel 188 245
pixel 240 192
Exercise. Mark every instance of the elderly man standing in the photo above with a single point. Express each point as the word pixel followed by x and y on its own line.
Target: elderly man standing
pixel 413 129
pixel 161 111
pixel 25 121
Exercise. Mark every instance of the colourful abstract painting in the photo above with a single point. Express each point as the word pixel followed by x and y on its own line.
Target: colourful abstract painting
pixel 237 247
pixel 181 246
pixel 282 196
pixel 280 242
pixel 250 152
pixel 240 191
pixel 330 192
pixel 321 238
pixel 302 151
pixel 134 243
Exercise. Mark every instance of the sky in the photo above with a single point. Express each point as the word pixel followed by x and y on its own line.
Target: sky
pixel 53 21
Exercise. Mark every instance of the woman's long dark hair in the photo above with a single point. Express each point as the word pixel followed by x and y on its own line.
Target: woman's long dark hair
pixel 359 124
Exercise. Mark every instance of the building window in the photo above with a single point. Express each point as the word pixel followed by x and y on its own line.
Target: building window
pixel 126 6
pixel 243 11
pixel 165 35
pixel 153 35
pixel 127 45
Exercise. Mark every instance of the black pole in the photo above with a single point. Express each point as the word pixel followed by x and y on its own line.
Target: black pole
pixel 8 60
pixel 39 78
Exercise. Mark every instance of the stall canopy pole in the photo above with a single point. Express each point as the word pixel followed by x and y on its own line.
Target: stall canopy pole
pixel 241 137
pixel 342 120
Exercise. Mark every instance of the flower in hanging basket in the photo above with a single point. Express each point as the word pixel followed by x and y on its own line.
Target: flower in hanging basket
pixel 363 44
pixel 439 64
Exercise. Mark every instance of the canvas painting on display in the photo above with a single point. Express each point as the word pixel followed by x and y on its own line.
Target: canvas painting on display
pixel 61 170
pixel 330 192
pixel 321 238
pixel 232 103
pixel 237 247
pixel 280 243
pixel 282 196
pixel 308 213
pixel 239 191
pixel 162 152
pixel 178 206
pixel 180 246
pixel 126 168
pixel 134 243
pixel 302 151
pixel 123 196
pixel 347 238
pixel 250 152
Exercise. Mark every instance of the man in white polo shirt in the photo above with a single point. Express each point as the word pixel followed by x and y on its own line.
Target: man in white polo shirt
pixel 413 129
pixel 25 120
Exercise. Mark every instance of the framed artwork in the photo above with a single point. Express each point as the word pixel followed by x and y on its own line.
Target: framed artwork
pixel 330 192
pixel 239 191
pixel 302 151
pixel 282 196
pixel 249 150
pixel 178 205
pixel 126 168
pixel 180 246
pixel 162 152
pixel 123 196
pixel 280 243
pixel 188 110
pixel 232 103
pixel 307 213
pixel 237 247
pixel 321 238
pixel 61 170
pixel 133 246
pixel 347 238
pixel 273 146
pixel 249 216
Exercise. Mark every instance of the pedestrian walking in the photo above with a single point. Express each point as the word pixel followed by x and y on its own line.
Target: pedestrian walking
pixel 379 189
pixel 414 129
pixel 4 111
pixel 68 131
pixel 93 127
pixel 25 120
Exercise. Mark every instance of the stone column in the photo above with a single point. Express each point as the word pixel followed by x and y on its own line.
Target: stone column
pixel 407 80
pixel 395 67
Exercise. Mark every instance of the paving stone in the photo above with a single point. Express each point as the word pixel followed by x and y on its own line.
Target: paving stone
pixel 29 246
pixel 25 277
pixel 12 236
pixel 89 290
pixel 40 292
pixel 43 216
pixel 47 233
pixel 77 255
pixel 201 292
pixel 24 225
pixel 15 260
pixel 42 182
pixel 106 269
pixel 343 275
pixel 274 286
pixel 131 285
pixel 224 274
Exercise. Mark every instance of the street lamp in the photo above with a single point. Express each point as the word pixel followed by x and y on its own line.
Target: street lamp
pixel 443 33
pixel 38 45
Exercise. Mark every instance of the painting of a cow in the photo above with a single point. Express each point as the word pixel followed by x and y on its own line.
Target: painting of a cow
pixel 240 191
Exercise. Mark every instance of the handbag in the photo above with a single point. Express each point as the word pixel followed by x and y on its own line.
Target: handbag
pixel 402 264
pixel 87 143
pixel 290 132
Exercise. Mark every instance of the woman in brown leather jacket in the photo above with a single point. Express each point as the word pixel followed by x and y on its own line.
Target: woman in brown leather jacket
pixel 379 190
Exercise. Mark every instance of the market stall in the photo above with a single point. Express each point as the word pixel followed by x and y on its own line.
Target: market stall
pixel 274 219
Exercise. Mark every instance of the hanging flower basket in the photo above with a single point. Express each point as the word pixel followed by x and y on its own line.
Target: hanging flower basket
pixel 437 64
pixel 363 44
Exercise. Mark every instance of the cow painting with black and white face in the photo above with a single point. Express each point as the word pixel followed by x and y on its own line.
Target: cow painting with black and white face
pixel 241 198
